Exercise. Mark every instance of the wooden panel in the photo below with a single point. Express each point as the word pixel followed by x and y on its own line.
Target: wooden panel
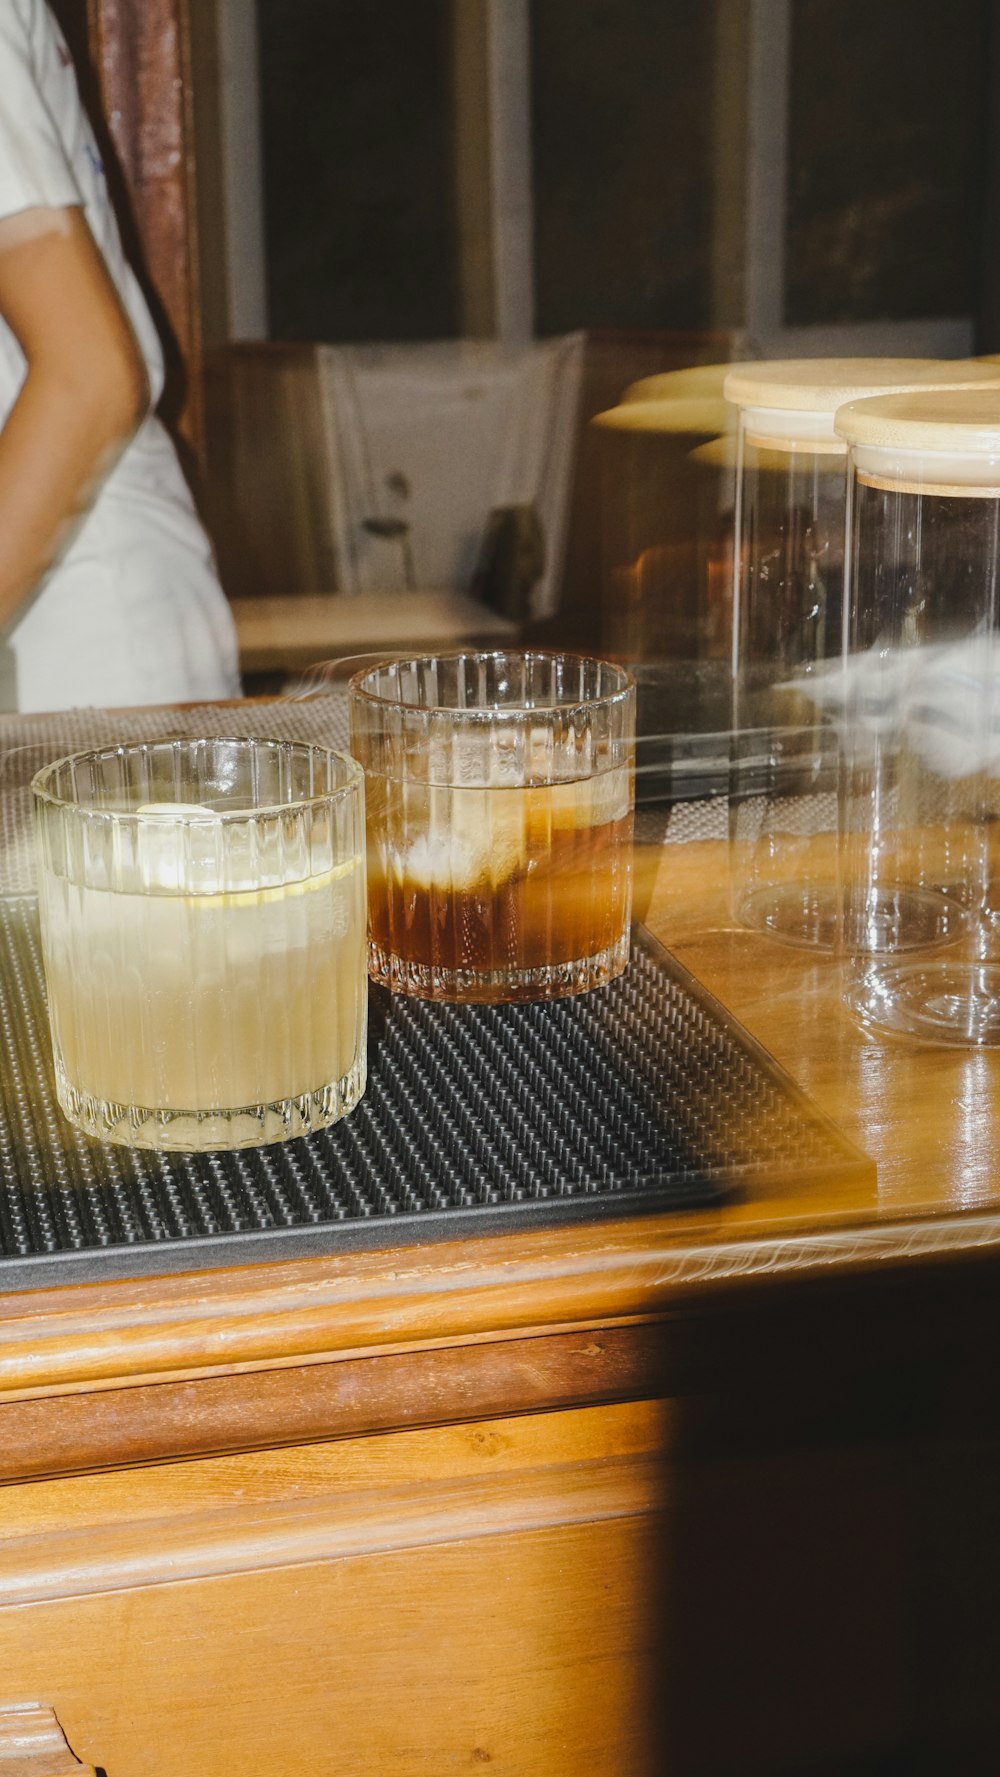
pixel 268 492
pixel 97 1533
pixel 833 1333
pixel 142 57
pixel 612 360
pixel 537 1595
pixel 526 1655
pixel 408 1604
pixel 814 1591
pixel 70 1433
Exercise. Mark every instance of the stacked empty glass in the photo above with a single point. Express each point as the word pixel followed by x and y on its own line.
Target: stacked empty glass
pixel 666 482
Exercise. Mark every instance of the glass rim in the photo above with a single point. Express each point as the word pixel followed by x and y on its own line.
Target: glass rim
pixel 504 712
pixel 188 815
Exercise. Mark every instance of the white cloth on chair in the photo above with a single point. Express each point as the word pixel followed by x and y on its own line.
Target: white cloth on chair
pixel 425 441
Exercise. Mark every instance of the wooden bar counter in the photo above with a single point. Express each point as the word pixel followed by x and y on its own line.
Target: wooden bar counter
pixel 706 1493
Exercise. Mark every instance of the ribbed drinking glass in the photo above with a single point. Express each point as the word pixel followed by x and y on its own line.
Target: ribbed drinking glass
pixel 202 908
pixel 499 789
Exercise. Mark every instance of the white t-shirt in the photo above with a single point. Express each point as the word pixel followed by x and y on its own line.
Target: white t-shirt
pixel 132 612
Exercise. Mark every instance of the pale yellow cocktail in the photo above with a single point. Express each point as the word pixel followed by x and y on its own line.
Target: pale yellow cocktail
pixel 211 991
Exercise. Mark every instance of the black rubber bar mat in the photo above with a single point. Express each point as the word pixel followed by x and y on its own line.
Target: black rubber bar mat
pixel 643 1095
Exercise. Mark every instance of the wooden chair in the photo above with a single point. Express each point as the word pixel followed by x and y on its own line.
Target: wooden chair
pixel 273 513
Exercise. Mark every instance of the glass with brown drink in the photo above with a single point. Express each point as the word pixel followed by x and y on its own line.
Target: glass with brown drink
pixel 499 794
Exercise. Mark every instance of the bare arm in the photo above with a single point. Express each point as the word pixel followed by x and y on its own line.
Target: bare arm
pixel 85 392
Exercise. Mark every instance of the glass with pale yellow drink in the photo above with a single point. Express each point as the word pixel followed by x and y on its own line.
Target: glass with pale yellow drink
pixel 202 908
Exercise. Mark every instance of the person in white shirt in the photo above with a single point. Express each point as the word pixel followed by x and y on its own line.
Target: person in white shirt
pixel 108 594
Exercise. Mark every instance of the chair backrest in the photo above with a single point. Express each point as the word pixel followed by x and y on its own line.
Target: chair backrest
pixel 425 442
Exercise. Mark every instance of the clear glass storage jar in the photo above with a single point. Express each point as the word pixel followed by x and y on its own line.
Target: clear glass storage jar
pixel 920 717
pixel 788 627
pixel 665 523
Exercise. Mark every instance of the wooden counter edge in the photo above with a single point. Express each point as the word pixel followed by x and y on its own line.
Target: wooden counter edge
pixel 93 1337
pixel 794 1332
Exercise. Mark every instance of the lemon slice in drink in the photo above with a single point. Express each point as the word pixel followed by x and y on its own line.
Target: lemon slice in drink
pixel 162 866
pixel 580 802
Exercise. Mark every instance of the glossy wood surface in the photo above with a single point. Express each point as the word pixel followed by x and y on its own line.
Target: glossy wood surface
pixel 929 1117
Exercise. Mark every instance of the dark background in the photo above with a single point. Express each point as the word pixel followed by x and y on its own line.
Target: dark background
pixel 890 142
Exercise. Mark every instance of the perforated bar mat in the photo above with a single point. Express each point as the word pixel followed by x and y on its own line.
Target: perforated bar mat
pixel 642 1095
